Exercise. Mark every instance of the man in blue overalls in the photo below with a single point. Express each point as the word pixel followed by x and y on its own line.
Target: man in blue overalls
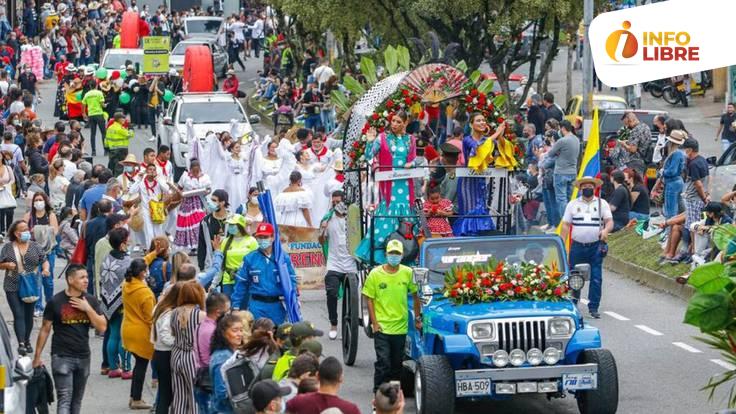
pixel 257 285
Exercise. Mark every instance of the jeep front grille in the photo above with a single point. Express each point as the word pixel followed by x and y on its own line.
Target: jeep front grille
pixel 521 334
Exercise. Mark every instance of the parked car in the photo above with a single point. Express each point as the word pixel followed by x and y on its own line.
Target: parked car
pixel 574 108
pixel 115 59
pixel 514 81
pixel 493 350
pixel 722 173
pixel 18 370
pixel 209 111
pixel 205 26
pixel 219 55
pixel 610 123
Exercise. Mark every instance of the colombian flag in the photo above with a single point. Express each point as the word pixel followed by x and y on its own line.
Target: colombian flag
pixel 591 163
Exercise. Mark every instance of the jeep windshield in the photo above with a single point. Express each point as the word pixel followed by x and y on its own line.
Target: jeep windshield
pixel 439 257
pixel 211 112
pixel 118 60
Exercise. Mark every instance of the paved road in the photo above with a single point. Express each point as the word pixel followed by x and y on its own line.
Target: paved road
pixel 661 367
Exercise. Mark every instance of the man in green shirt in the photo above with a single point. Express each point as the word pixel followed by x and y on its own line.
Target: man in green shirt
pixel 94 104
pixel 386 291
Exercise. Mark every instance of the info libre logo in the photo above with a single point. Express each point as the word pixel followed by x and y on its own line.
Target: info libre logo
pixel 623 45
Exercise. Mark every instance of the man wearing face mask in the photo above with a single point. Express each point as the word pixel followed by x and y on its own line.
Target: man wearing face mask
pixel 591 220
pixel 386 290
pixel 212 225
pixel 257 286
pixel 237 245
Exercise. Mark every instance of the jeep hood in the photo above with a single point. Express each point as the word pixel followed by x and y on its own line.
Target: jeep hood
pixel 440 310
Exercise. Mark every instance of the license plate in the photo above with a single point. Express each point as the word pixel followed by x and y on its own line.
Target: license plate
pixel 472 387
pixel 583 381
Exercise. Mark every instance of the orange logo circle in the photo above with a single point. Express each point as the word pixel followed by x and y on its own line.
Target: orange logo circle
pixel 631 45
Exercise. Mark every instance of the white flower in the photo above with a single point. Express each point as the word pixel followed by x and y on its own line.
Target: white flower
pixel 475 100
pixel 446 294
pixel 510 292
pixel 466 290
pixel 385 114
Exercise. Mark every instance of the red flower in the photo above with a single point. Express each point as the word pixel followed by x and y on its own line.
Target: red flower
pixel 407 100
pixel 468 98
pixel 470 275
pixel 499 120
pixel 381 129
pixel 490 106
pixel 405 92
pixel 499 293
pixel 469 285
pixel 559 291
pixel 518 276
pixel 389 104
pixel 352 154
pixel 375 116
pixel 486 282
pixel 518 289
pixel 453 293
pixel 474 92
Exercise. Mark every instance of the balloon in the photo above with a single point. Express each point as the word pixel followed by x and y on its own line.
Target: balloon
pixel 101 73
pixel 168 96
pixel 78 95
pixel 123 74
pixel 124 98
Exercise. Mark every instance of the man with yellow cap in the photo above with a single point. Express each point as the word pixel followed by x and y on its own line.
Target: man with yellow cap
pixel 237 244
pixel 386 291
pixel 591 221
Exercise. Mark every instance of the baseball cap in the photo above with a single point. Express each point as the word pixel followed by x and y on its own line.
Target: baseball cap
pixel 313 346
pixel 264 229
pixel 394 246
pixel 238 219
pixel 265 391
pixel 713 207
pixel 283 331
pixel 303 329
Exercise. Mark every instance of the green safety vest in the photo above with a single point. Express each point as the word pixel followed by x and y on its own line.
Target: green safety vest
pixel 117 136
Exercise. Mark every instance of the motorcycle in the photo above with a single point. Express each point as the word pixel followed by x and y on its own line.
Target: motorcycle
pixel 655 87
pixel 676 92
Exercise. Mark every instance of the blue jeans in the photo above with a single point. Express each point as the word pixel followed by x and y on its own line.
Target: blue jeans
pixel 550 206
pixel 70 379
pixel 227 290
pixel 563 191
pixel 633 215
pixel 725 144
pixel 589 254
pixel 312 121
pixel 47 283
pixel 672 192
pixel 116 355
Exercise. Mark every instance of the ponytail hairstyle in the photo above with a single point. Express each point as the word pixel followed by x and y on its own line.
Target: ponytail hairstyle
pixel 137 266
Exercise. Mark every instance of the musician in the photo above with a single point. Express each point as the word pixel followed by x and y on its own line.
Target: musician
pixel 151 189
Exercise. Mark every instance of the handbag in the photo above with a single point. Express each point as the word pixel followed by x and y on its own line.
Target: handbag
pixel 28 284
pixel 79 256
pixel 158 211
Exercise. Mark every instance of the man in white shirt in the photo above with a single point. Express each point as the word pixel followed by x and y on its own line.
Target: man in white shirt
pixel 323 73
pixel 257 34
pixel 333 237
pixel 591 221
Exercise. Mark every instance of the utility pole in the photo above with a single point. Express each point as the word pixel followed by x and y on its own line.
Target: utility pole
pixel 587 60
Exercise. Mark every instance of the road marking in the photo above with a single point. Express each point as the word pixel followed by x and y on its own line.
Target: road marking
pixel 723 364
pixel 687 347
pixel 615 315
pixel 649 330
pixel 584 301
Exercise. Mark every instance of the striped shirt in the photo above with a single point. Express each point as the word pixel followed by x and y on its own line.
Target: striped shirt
pixel 586 219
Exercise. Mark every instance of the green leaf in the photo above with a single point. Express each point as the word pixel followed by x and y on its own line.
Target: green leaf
pixel 486 86
pixel 722 235
pixel 475 76
pixel 391 58
pixel 404 57
pixel 353 85
pixel 709 278
pixel 499 101
pixel 462 66
pixel 340 100
pixel 708 311
pixel 368 69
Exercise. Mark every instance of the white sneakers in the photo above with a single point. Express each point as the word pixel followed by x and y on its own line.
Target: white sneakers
pixel 332 334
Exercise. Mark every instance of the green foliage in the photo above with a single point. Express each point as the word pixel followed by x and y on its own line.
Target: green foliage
pixel 486 86
pixel 475 76
pixel 709 311
pixel 342 102
pixel 368 69
pixel 462 66
pixel 722 235
pixel 500 100
pixel 404 57
pixel 353 85
pixel 391 59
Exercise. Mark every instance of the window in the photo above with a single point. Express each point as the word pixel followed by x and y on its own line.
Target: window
pixel 203 26
pixel 181 48
pixel 118 60
pixel 570 106
pixel 211 112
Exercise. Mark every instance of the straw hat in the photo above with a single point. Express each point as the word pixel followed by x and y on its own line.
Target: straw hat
pixel 129 160
pixel 677 136
pixel 588 180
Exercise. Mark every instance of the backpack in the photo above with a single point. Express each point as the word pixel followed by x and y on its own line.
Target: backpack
pixel 240 373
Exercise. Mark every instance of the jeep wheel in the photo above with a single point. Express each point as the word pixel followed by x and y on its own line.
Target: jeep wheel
pixel 350 311
pixel 434 385
pixel 604 400
pixel 407 381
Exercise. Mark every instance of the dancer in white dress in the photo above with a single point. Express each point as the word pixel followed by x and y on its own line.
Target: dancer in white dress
pixel 251 210
pixel 151 187
pixel 235 179
pixel 270 166
pixel 192 208
pixel 292 206
pixel 133 173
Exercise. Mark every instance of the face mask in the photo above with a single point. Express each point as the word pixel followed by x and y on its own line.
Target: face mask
pixel 264 243
pixel 232 230
pixel 129 169
pixel 25 236
pixel 212 205
pixel 283 406
pixel 39 205
pixel 588 192
pixel 393 259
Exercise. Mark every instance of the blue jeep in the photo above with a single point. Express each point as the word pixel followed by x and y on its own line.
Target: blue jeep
pixel 501 350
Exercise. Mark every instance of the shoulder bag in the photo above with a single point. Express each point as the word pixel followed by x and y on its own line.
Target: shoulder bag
pixel 28 283
pixel 158 211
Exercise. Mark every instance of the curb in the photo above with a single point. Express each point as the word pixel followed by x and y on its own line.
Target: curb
pixel 252 109
pixel 648 278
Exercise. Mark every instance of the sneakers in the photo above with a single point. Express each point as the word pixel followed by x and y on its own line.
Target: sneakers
pixel 595 315
pixel 151 139
pixel 104 371
pixel 114 373
pixel 126 375
pixel 139 405
pixel 332 334
pixel 38 313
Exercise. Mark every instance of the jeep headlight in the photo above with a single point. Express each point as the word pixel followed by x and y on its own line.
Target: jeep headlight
pixel 481 331
pixel 500 358
pixel 576 281
pixel 560 327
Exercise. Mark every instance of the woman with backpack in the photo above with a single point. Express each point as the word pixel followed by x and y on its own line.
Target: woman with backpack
pixel 44 227
pixel 226 340
pixel 163 342
pixel 112 274
pixel 159 271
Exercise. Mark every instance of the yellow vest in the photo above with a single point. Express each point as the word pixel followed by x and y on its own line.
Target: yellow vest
pixel 117 136
pixel 236 252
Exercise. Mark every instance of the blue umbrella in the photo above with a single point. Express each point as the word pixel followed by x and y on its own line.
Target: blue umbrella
pixel 293 309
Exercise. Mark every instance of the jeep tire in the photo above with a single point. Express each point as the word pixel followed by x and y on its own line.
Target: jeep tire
pixel 603 400
pixel 434 385
pixel 407 381
pixel 350 310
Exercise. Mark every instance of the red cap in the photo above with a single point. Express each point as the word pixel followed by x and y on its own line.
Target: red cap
pixel 264 229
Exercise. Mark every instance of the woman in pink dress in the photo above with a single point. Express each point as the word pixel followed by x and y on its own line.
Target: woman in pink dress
pixel 191 211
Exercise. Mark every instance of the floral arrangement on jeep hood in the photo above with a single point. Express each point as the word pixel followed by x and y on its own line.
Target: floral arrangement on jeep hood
pixel 498 281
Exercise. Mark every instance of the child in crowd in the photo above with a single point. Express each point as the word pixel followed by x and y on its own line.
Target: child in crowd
pixel 437 210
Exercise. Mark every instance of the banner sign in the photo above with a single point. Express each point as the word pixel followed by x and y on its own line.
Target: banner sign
pixel 638 44
pixel 399 174
pixel 305 252
pixel 489 172
pixel 156 55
